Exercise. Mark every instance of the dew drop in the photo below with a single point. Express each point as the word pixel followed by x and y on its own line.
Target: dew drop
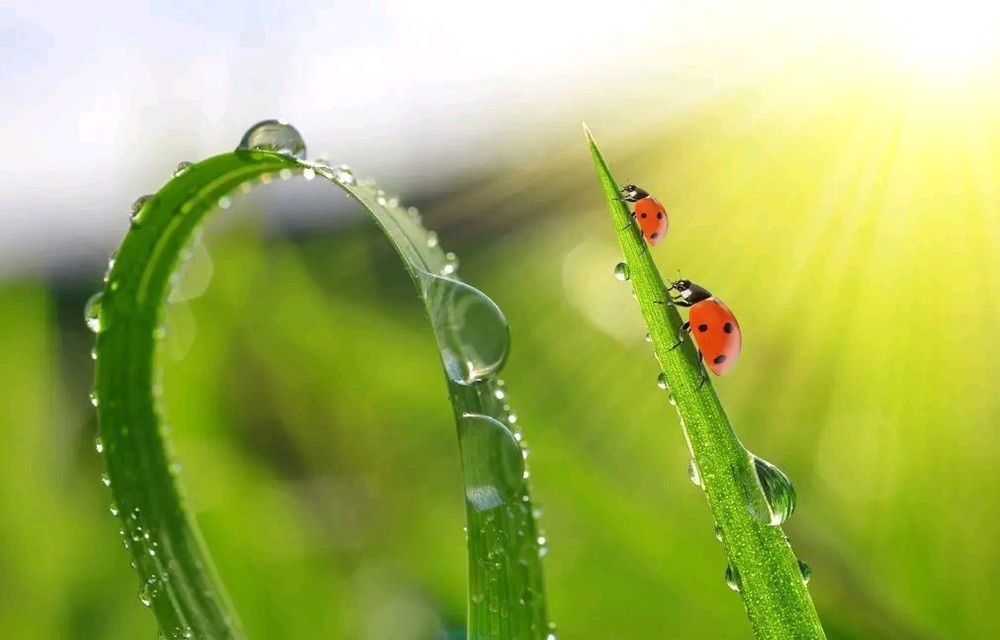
pixel 649 338
pixel 182 167
pixel 733 578
pixel 99 445
pixel 114 509
pixel 93 398
pixel 718 533
pixel 471 330
pixel 492 463
pixel 146 594
pixel 105 479
pixel 309 173
pixel 276 136
pixel 622 271
pixel 661 381
pixel 778 490
pixel 92 312
pixel 450 264
pixel 225 202
pixel 344 175
pixel 137 206
pixel 806 572
pixel 693 473
pixel 432 239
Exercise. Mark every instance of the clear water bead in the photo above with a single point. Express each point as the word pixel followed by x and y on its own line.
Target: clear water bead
pixel 733 578
pixel 276 136
pixel 693 473
pixel 778 490
pixel 622 271
pixel 806 571
pixel 92 312
pixel 661 381
pixel 138 205
pixel 182 167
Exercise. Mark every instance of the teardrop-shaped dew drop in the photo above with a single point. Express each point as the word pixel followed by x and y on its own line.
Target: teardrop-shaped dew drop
pixel 182 167
pixel 806 572
pixel 661 381
pixel 274 135
pixel 137 206
pixel 450 264
pixel 622 271
pixel 718 533
pixel 146 594
pixel 432 239
pixel 471 330
pixel 693 473
pixel 345 175
pixel 99 445
pixel 778 490
pixel 492 464
pixel 92 312
pixel 93 397
pixel 733 578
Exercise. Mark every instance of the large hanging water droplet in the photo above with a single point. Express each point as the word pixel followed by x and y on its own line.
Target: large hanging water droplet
pixel 693 473
pixel 806 571
pixel 492 465
pixel 92 312
pixel 778 490
pixel 274 135
pixel 622 271
pixel 733 578
pixel 471 330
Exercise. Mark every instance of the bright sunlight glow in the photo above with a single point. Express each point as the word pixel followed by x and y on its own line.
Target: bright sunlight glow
pixel 951 36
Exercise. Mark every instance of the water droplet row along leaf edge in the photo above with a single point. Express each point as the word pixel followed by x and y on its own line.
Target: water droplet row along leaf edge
pixel 777 601
pixel 166 548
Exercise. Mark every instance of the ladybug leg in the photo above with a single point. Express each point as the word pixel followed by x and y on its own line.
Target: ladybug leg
pixel 680 301
pixel 704 374
pixel 685 328
pixel 631 217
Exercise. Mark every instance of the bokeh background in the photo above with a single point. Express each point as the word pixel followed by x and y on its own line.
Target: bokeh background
pixel 831 171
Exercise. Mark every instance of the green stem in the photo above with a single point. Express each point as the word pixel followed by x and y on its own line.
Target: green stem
pixel 177 579
pixel 776 598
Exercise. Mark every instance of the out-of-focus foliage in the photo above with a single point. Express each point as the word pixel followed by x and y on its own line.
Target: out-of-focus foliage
pixel 854 231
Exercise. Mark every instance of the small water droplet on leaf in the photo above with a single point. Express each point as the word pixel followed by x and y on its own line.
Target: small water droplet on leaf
pixel 622 271
pixel 276 136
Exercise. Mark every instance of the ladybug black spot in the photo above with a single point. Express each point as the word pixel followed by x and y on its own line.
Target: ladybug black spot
pixel 655 234
pixel 659 215
pixel 703 328
pixel 643 215
pixel 719 359
pixel 728 327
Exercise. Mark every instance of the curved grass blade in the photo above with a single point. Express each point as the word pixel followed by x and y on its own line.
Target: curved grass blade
pixel 177 580
pixel 762 566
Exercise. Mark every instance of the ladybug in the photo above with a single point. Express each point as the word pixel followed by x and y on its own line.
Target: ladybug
pixel 649 212
pixel 715 329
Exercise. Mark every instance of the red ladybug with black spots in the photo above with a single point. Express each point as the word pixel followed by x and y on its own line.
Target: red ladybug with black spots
pixel 650 214
pixel 713 325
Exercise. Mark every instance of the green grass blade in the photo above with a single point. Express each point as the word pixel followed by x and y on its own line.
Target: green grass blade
pixel 177 581
pixel 776 598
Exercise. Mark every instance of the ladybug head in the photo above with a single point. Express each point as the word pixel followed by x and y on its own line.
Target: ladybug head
pixel 681 285
pixel 633 193
pixel 690 291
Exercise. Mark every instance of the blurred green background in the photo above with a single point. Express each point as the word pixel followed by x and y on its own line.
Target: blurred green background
pixel 850 218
